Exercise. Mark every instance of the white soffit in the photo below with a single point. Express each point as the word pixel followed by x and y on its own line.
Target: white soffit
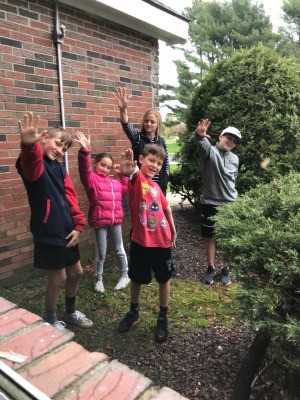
pixel 138 15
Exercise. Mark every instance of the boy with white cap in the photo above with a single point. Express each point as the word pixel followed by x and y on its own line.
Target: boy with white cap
pixel 220 169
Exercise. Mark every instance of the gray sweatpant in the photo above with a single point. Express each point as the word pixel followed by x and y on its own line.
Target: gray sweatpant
pixel 114 233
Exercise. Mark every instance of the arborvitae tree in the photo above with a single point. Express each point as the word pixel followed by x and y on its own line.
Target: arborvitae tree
pixel 258 92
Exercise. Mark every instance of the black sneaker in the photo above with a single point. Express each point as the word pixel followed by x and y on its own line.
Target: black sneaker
pixel 162 332
pixel 209 274
pixel 225 276
pixel 129 321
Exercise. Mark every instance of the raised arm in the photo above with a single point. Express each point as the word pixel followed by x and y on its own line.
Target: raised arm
pixel 84 159
pixel 122 100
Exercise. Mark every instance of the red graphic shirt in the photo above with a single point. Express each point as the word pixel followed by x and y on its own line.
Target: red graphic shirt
pixel 147 203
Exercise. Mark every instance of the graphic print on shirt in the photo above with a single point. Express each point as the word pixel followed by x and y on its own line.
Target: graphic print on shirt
pixel 151 223
pixel 149 212
pixel 163 223
pixel 145 188
pixel 154 207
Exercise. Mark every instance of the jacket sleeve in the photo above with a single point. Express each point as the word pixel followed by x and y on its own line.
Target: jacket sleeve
pixel 76 214
pixel 85 168
pixel 167 162
pixel 132 134
pixel 124 182
pixel 32 161
pixel 204 146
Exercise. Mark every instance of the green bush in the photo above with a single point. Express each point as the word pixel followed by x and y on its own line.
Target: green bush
pixel 257 91
pixel 259 237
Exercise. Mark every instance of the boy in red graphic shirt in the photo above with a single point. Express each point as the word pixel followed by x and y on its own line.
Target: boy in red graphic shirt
pixel 153 235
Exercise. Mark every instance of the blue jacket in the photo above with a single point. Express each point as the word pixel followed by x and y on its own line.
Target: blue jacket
pixel 52 198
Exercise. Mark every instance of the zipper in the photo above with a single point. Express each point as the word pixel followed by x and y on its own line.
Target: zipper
pixel 114 203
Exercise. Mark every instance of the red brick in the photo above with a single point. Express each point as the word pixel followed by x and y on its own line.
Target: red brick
pixel 5 305
pixel 54 373
pixel 17 319
pixel 34 343
pixel 100 103
pixel 115 381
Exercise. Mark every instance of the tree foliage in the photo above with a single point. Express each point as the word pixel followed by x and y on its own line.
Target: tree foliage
pixel 216 30
pixel 259 238
pixel 257 91
pixel 290 43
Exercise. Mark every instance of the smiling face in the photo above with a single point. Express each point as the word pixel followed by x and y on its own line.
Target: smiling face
pixel 227 142
pixel 150 165
pixel 54 146
pixel 104 166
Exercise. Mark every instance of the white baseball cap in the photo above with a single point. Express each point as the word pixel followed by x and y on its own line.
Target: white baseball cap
pixel 232 131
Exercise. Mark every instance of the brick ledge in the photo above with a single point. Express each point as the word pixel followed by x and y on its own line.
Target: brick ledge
pixel 62 369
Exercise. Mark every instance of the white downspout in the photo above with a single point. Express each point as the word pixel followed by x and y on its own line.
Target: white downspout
pixel 58 35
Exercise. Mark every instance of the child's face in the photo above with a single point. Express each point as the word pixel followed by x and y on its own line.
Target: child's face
pixel 53 147
pixel 150 125
pixel 150 165
pixel 227 142
pixel 104 166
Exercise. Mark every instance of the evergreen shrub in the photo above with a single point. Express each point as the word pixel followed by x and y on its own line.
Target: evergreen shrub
pixel 259 237
pixel 258 92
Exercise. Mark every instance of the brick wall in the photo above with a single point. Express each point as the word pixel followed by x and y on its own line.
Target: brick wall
pixel 97 56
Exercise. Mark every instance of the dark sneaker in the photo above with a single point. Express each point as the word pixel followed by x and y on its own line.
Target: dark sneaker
pixel 225 276
pixel 128 322
pixel 162 332
pixel 209 274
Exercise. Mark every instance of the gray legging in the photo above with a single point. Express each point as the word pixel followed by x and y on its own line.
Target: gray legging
pixel 115 235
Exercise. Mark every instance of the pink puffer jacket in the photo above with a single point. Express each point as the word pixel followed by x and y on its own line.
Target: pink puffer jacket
pixel 104 193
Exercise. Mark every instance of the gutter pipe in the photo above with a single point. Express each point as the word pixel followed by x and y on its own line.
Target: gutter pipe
pixel 58 36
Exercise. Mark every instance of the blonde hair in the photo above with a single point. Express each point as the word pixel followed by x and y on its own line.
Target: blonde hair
pixel 63 134
pixel 158 131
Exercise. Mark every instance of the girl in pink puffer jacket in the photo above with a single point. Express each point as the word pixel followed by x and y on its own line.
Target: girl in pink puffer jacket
pixel 105 211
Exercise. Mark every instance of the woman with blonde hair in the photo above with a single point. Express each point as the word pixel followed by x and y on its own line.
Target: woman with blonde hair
pixel 150 132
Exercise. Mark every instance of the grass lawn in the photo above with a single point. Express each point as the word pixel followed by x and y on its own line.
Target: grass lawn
pixel 192 306
pixel 172 145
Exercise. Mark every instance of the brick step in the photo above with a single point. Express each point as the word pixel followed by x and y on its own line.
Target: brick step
pixel 62 369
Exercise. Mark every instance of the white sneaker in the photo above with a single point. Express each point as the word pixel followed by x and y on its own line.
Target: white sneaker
pixel 61 326
pixel 99 287
pixel 78 319
pixel 123 282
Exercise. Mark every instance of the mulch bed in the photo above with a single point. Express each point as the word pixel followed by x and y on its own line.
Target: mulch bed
pixel 203 364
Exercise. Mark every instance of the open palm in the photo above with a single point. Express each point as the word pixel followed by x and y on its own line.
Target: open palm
pixel 28 129
pixel 122 99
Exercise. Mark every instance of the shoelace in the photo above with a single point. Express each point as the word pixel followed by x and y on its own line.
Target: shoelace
pixel 79 315
pixel 60 325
